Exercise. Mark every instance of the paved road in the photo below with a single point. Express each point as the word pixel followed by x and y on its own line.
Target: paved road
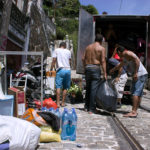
pixel 97 132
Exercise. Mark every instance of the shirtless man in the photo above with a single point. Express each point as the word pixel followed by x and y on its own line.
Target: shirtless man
pixel 94 57
pixel 134 67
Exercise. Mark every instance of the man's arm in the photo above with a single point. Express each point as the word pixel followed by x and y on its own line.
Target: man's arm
pixel 103 62
pixel 114 52
pixel 70 62
pixel 117 67
pixel 119 74
pixel 137 64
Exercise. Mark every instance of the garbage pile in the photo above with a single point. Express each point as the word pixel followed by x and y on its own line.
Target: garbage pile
pixel 46 125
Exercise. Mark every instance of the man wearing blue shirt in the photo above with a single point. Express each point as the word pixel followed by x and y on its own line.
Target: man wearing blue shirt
pixel 119 80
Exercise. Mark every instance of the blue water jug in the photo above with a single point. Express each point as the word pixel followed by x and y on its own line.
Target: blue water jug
pixel 64 125
pixel 69 125
pixel 72 125
pixel 57 112
pixel 44 109
pixel 52 110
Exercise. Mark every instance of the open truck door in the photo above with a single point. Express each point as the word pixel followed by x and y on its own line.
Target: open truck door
pixel 148 47
pixel 85 37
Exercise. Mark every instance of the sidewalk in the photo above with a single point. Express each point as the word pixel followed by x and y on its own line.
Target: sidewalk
pixel 95 131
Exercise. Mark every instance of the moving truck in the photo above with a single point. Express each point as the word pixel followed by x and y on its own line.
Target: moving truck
pixel 130 31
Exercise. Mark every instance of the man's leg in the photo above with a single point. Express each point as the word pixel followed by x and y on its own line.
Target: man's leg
pixel 64 97
pixel 88 87
pixel 94 86
pixel 66 84
pixel 136 103
pixel 119 102
pixel 58 97
pixel 137 92
pixel 87 95
pixel 119 87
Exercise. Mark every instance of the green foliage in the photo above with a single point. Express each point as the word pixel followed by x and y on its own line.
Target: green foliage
pixel 68 8
pixel 91 9
pixel 74 89
pixel 60 32
pixel 66 13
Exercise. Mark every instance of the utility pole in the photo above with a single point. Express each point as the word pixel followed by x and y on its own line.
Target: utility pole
pixel 4 24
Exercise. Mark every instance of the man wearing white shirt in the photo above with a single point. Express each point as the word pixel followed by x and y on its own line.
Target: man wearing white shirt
pixel 62 59
pixel 139 73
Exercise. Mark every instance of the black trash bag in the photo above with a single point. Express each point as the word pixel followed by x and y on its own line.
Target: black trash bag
pixel 106 97
pixel 51 119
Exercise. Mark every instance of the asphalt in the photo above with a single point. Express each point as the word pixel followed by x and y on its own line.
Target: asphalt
pixel 98 132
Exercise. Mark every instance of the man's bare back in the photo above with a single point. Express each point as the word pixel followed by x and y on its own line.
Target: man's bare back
pixel 94 54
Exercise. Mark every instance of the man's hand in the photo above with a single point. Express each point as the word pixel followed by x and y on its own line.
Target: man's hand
pixel 116 79
pixel 111 71
pixel 105 76
pixel 135 77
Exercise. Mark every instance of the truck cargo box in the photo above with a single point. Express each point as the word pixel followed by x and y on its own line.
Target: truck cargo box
pixel 130 31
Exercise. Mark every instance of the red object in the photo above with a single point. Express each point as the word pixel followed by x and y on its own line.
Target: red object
pixel 49 103
pixel 117 57
pixel 38 104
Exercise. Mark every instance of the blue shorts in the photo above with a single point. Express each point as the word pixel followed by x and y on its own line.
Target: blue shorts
pixel 138 86
pixel 63 79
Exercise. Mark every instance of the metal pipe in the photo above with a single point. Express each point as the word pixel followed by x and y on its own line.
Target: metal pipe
pixel 20 53
pixel 42 80
pixel 5 74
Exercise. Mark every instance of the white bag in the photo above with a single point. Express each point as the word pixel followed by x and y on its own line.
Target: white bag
pixel 21 134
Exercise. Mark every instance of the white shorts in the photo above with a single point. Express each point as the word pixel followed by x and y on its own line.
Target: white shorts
pixel 119 86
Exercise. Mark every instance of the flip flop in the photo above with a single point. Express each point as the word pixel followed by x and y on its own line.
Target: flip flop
pixel 63 105
pixel 130 115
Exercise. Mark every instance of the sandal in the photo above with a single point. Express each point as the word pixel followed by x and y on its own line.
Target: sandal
pixel 131 115
pixel 63 105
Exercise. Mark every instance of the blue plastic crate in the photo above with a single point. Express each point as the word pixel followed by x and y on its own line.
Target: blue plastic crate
pixel 7 105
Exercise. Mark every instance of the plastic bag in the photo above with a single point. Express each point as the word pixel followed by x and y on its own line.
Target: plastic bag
pixel 31 115
pixel 22 135
pixel 4 146
pixel 48 135
pixel 49 103
pixel 51 119
pixel 106 97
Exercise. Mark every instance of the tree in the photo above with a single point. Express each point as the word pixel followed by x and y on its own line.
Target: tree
pixel 69 8
pixel 91 9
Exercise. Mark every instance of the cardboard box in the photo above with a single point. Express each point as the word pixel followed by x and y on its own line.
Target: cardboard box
pixel 19 101
pixel 51 73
